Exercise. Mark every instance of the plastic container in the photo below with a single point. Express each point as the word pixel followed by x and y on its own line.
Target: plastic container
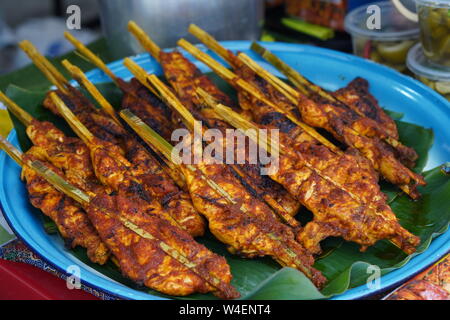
pixel 437 78
pixel 434 21
pixel 390 43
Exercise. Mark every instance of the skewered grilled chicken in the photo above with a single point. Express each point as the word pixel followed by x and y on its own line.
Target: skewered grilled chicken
pixel 68 154
pixel 70 219
pixel 116 172
pixel 235 217
pixel 336 211
pixel 350 126
pixel 153 180
pixel 322 114
pixel 346 128
pixel 349 170
pixel 184 77
pixel 148 107
pixel 149 250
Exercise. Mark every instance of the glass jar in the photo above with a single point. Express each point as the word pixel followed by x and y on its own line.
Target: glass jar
pixel 434 21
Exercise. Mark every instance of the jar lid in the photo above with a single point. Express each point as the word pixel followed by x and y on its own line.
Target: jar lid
pixel 394 26
pixel 434 3
pixel 418 64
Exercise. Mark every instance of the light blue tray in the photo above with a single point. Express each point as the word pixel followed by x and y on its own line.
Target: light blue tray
pixel 327 68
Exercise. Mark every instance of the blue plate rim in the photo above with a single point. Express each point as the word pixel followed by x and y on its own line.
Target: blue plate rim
pixel 437 249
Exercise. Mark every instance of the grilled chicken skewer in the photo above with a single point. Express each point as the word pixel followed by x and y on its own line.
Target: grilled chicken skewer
pixel 351 171
pixel 235 218
pixel 70 219
pixel 184 77
pixel 354 175
pixel 336 212
pixel 173 101
pixel 380 156
pixel 149 250
pixel 68 154
pixel 385 152
pixel 113 169
pixel 384 129
pixel 155 182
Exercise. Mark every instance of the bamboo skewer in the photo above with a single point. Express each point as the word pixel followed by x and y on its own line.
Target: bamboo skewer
pixel 171 100
pixel 81 131
pixel 233 118
pixel 234 80
pixel 144 39
pixel 71 191
pixel 210 42
pixel 90 56
pixel 280 85
pixel 81 78
pixel 52 74
pixel 188 119
pixel 140 74
pixel 20 114
pixel 11 151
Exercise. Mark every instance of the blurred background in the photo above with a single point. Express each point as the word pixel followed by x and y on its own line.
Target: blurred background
pixel 413 36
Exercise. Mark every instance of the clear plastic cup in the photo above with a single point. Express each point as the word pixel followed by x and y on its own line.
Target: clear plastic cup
pixel 437 78
pixel 387 45
pixel 434 21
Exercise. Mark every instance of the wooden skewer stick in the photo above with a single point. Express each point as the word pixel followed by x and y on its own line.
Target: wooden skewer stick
pixel 13 152
pixel 234 80
pixel 289 92
pixel 139 73
pixel 210 42
pixel 52 74
pixel 72 120
pixel 21 114
pixel 145 41
pixel 81 78
pixel 90 55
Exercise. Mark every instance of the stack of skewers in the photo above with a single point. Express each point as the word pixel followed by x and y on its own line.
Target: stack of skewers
pixel 120 191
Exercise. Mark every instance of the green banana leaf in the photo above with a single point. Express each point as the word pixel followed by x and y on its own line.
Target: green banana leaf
pixel 342 263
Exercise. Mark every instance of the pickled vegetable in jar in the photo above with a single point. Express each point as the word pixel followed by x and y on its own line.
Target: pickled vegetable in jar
pixel 434 22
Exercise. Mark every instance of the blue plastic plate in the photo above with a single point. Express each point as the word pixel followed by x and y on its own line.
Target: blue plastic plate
pixel 327 68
